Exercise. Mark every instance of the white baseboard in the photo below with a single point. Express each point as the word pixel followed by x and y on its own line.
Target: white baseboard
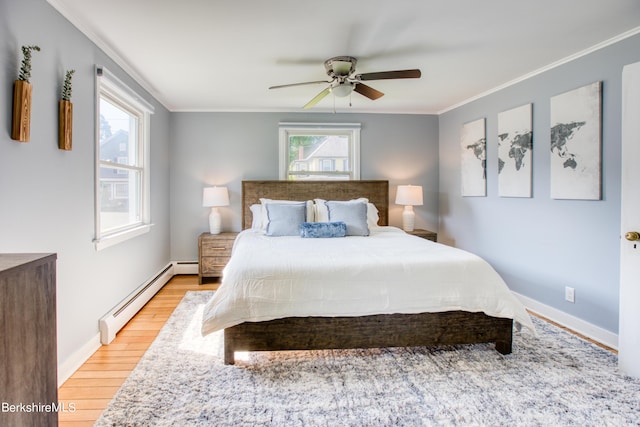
pixel 587 329
pixel 185 267
pixel 75 361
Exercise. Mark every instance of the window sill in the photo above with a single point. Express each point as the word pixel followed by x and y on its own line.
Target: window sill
pixel 115 238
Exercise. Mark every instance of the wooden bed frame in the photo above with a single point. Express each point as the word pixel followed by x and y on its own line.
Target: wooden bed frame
pixel 385 330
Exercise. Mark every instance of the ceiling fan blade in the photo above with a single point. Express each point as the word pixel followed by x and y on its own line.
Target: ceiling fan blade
pixel 300 84
pixel 317 98
pixel 368 91
pixel 383 75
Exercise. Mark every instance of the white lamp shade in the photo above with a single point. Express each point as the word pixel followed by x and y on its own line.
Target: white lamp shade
pixel 409 195
pixel 215 196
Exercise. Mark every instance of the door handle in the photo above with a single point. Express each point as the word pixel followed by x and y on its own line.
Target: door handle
pixel 632 236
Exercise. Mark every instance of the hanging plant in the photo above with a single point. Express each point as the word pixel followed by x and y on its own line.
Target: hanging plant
pixel 21 123
pixel 25 68
pixel 66 86
pixel 65 110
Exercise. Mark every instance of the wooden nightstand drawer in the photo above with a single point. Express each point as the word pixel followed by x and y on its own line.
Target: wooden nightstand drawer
pixel 214 251
pixel 213 265
pixel 215 247
pixel 425 234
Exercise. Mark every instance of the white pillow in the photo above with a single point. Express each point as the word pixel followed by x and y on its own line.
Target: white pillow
pixel 322 214
pixel 256 216
pixel 263 201
pixel 372 215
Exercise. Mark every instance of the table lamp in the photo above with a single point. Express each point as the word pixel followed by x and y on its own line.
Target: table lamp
pixel 214 197
pixel 409 196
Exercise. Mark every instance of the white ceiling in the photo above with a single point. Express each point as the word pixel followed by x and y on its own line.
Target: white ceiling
pixel 222 55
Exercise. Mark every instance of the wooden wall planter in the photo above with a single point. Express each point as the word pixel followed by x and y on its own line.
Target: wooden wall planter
pixel 21 123
pixel 65 128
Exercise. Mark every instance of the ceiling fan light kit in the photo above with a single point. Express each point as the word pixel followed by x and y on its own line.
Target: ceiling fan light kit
pixel 344 81
pixel 342 89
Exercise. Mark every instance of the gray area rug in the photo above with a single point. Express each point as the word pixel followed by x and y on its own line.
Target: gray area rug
pixel 554 379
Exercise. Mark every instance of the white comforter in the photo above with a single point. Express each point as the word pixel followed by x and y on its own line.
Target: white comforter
pixel 387 272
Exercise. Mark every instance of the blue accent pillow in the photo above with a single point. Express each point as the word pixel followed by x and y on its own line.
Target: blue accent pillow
pixel 353 213
pixel 323 229
pixel 285 219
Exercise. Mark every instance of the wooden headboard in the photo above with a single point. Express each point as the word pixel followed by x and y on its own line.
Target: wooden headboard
pixel 376 191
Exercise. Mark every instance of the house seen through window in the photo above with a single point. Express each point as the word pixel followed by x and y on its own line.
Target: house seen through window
pixel 319 152
pixel 119 175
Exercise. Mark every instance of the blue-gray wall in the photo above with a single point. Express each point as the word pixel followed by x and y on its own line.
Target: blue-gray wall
pixel 226 148
pixel 540 245
pixel 47 195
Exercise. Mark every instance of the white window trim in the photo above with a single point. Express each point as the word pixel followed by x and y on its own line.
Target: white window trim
pixel 286 128
pixel 121 236
pixel 108 82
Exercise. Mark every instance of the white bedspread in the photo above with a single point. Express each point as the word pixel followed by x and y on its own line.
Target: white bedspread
pixel 387 272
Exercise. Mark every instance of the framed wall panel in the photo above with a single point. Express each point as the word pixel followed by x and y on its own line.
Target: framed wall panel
pixel 515 142
pixel 473 147
pixel 576 144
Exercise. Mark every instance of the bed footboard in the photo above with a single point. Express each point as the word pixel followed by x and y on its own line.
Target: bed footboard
pixel 386 330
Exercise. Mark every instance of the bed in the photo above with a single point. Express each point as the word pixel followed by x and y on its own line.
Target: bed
pixel 264 304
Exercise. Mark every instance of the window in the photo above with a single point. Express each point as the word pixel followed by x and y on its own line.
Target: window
pixel 311 151
pixel 122 168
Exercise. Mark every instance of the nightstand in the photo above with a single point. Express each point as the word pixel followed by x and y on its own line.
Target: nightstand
pixel 214 251
pixel 425 234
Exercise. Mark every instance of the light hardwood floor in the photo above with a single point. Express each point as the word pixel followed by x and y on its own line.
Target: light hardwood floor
pixel 91 388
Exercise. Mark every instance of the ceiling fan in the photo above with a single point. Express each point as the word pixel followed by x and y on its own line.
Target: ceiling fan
pixel 343 81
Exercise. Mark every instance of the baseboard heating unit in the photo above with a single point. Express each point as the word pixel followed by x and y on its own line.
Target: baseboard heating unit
pixel 185 267
pixel 113 321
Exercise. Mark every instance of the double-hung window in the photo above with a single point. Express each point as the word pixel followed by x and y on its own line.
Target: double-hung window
pixel 122 161
pixel 319 151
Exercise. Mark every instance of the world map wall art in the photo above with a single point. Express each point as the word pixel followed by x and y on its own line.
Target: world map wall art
pixel 514 152
pixel 473 146
pixel 576 144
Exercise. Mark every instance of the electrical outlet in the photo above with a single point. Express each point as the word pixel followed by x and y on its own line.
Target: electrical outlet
pixel 569 294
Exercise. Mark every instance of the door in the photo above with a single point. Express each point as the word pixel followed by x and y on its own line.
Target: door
pixel 629 326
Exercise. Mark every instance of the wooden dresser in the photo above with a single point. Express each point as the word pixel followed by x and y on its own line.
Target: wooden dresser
pixel 29 367
pixel 214 251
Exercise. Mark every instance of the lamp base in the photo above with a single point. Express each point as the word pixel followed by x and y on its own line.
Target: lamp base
pixel 215 221
pixel 408 218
